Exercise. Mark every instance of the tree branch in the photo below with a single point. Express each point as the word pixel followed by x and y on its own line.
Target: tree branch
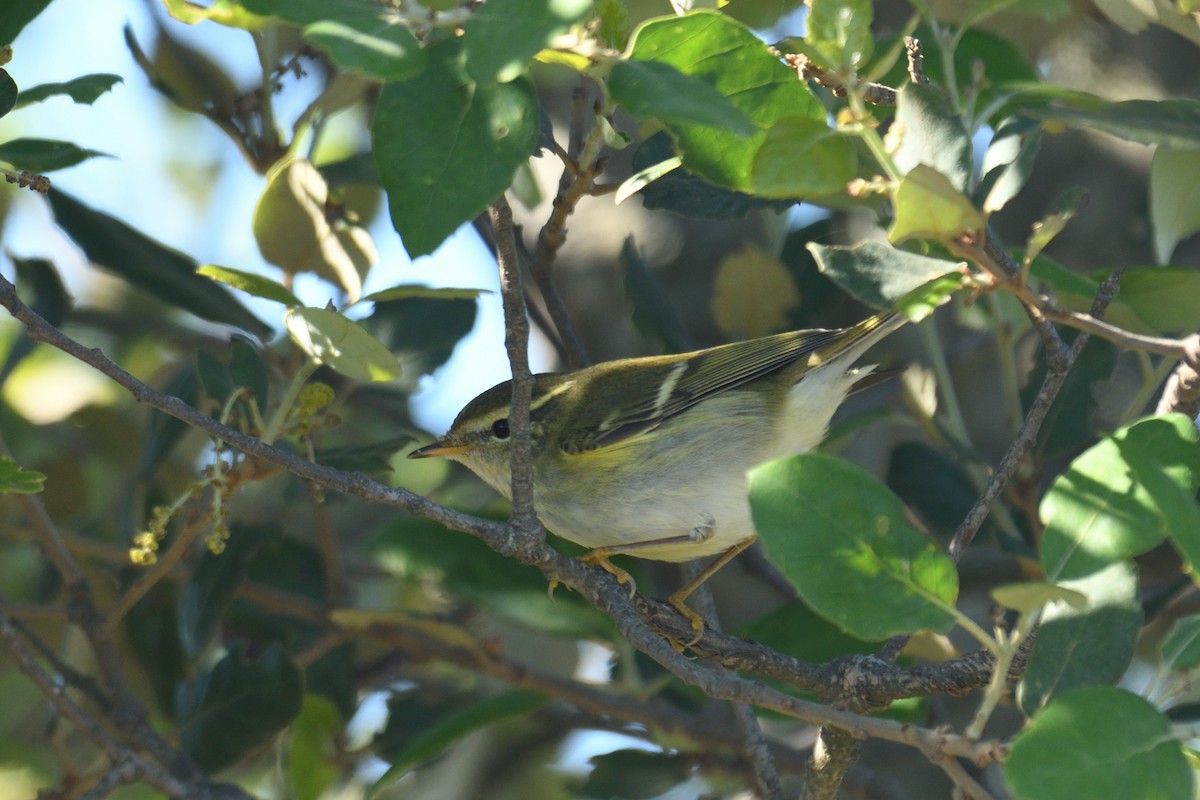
pixel 597 586
pixel 526 529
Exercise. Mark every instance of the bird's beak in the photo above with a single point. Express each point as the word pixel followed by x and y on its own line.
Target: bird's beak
pixel 441 449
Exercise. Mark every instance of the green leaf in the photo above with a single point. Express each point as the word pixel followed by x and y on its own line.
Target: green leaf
pixel 15 479
pixel 373 41
pixel 212 585
pixel 801 157
pixel 1008 163
pixel 164 432
pixel 1167 299
pixel 635 774
pixel 615 25
pixel 313 748
pixel 8 92
pixel 214 377
pixel 1032 596
pixel 407 290
pixel 688 194
pixel 1048 10
pixel 85 89
pixel 42 289
pixel 1170 123
pixel 1084 647
pixel 237 705
pixel 223 12
pixel 39 287
pixel 443 732
pixel 1098 742
pixel 840 30
pixel 447 146
pixel 644 177
pixel 250 283
pixel 796 630
pixel 658 90
pixel 1120 498
pixel 149 265
pixel 932 134
pixel 151 631
pixel 730 58
pixel 842 540
pixel 45 155
pixel 502 36
pixel 1174 198
pixel 1062 210
pixel 17 14
pixel 293 231
pixel 928 206
pixel 1181 646
pixel 306 12
pixel 936 486
pixel 373 458
pixel 425 329
pixel 340 344
pixel 246 368
pixel 879 275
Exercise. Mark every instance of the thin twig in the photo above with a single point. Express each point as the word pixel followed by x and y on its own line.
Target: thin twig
pixel 70 710
pixel 579 180
pixel 874 93
pixel 753 744
pixel 916 60
pixel 1182 391
pixel 986 256
pixel 966 785
pixel 525 526
pixel 1056 376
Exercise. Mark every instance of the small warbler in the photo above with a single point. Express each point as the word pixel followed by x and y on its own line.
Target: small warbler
pixel 648 456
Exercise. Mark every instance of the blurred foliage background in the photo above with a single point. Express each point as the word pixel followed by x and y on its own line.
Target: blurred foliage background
pixel 443 705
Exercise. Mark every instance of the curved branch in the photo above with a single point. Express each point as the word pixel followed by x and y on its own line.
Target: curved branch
pixel 597 586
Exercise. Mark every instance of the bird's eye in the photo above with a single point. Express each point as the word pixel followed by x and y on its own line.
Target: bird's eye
pixel 500 429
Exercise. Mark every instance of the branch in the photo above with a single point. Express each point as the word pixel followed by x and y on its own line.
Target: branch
pixel 597 586
pixel 581 166
pixel 127 765
pixel 526 529
pixel 874 93
pixel 751 740
pixel 995 262
pixel 1182 391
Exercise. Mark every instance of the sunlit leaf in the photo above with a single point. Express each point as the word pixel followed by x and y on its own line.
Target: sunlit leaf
pixel 15 479
pixel 1098 742
pixel 843 541
pixel 927 206
pixel 447 146
pixel 85 89
pixel 45 155
pixel 343 345
pixel 251 283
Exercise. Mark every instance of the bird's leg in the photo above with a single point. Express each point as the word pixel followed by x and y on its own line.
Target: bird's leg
pixel 599 557
pixel 679 598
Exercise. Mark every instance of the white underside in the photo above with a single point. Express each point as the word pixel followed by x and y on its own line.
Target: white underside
pixel 704 495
